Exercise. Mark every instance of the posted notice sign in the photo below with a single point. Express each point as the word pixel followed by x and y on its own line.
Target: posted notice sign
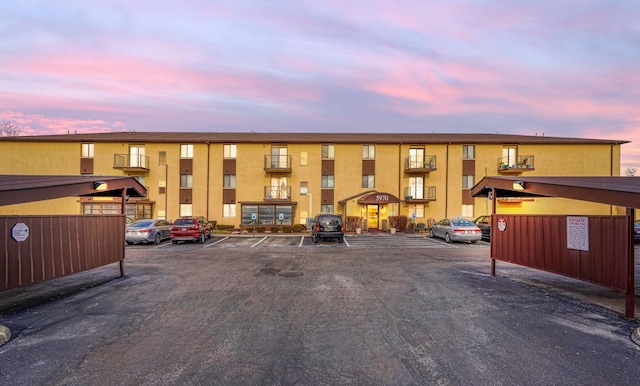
pixel 578 233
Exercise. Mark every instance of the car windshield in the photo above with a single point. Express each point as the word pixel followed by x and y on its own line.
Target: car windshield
pixel 462 223
pixel 183 221
pixel 141 224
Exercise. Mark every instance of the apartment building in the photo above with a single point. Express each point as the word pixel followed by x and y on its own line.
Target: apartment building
pixel 267 179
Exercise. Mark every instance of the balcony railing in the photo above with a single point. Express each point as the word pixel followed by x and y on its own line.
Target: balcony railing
pixel 418 194
pixel 128 162
pixel 277 193
pixel 415 164
pixel 519 164
pixel 277 163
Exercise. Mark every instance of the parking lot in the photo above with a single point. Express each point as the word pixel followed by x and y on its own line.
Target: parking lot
pixel 394 310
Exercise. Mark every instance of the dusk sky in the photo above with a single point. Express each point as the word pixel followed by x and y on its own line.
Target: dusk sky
pixel 554 68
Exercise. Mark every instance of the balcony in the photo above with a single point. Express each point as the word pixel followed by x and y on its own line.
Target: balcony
pixel 128 163
pixel 418 195
pixel 523 163
pixel 414 164
pixel 277 163
pixel 277 193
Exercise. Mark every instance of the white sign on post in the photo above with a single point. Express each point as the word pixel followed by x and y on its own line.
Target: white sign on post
pixel 20 232
pixel 578 233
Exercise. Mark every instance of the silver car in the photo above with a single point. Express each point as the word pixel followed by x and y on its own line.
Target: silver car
pixel 147 231
pixel 455 229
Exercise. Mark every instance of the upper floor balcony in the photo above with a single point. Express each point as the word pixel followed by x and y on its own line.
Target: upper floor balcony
pixel 420 164
pixel 277 163
pixel 419 194
pixel 517 165
pixel 131 163
pixel 277 193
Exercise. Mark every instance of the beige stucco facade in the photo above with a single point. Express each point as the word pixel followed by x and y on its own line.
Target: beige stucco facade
pixel 206 194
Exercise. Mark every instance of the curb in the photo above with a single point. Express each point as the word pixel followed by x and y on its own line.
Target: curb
pixel 635 336
pixel 5 335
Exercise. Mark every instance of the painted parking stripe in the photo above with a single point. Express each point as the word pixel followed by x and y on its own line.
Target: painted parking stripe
pixel 301 241
pixel 346 242
pixel 263 239
pixel 219 241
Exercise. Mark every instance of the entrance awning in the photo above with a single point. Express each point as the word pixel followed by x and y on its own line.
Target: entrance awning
pixel 380 198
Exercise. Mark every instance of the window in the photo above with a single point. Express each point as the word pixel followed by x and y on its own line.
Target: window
pixel 467 211
pixel 87 150
pixel 140 179
pixel 279 188
pixel 418 209
pixel 186 151
pixel 304 187
pixel 186 210
pixel 468 151
pixel 186 180
pixel 416 188
pixel 328 151
pixel 162 158
pixel 137 157
pixel 304 158
pixel 229 181
pixel 509 155
pixel 229 210
pixel 279 157
pixel 467 182
pixel 368 151
pixel 327 182
pixel 416 158
pixel 325 208
pixel 368 181
pixel 229 151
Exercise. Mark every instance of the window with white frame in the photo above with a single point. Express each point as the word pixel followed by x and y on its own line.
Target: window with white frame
pixel 304 158
pixel 368 181
pixel 304 188
pixel 418 209
pixel 327 182
pixel 186 210
pixel 510 155
pixel 468 151
pixel 467 181
pixel 186 151
pixel 229 151
pixel 326 208
pixel 186 180
pixel 368 151
pixel 467 211
pixel 229 181
pixel 229 210
pixel 87 150
pixel 416 187
pixel 328 151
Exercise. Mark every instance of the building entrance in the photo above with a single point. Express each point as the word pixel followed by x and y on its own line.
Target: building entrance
pixel 372 216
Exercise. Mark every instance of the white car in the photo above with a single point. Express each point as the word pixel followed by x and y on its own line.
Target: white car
pixel 456 229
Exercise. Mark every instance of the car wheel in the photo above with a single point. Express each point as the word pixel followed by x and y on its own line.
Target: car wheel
pixel 447 238
pixel 474 242
pixel 202 237
pixel 315 239
pixel 431 234
pixel 158 238
pixel 129 242
pixel 341 240
pixel 174 242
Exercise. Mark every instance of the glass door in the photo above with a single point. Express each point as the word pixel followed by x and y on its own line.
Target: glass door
pixel 372 216
pixel 416 158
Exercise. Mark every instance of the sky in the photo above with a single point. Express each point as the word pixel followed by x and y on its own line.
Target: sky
pixel 553 68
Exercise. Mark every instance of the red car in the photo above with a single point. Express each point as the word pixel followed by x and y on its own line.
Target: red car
pixel 196 228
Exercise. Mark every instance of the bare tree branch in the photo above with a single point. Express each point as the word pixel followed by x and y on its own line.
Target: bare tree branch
pixel 9 129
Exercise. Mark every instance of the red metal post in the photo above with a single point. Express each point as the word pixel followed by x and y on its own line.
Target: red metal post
pixel 493 212
pixel 123 211
pixel 630 297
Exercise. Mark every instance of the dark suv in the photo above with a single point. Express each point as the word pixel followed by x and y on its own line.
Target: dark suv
pixel 191 229
pixel 327 226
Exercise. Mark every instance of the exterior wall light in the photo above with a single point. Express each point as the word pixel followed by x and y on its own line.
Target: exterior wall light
pixel 518 185
pixel 100 185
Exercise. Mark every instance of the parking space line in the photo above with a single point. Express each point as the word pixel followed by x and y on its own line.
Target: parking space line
pixel 346 242
pixel 219 241
pixel 263 239
pixel 301 241
pixel 163 245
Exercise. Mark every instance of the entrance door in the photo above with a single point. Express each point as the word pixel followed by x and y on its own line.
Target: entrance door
pixel 372 216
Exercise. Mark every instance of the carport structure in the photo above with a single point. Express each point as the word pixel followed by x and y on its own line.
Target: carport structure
pixel 37 247
pixel 544 242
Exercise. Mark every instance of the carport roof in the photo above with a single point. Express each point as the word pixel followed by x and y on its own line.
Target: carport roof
pixel 620 191
pixel 17 189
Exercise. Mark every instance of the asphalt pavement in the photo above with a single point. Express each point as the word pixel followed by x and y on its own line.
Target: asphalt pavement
pixel 285 312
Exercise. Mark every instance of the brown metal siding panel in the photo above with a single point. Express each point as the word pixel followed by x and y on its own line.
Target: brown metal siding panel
pixel 186 196
pixel 229 196
pixel 468 167
pixel 186 166
pixel 229 166
pixel 541 242
pixel 86 165
pixel 326 197
pixel 54 247
pixel 328 167
pixel 368 167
